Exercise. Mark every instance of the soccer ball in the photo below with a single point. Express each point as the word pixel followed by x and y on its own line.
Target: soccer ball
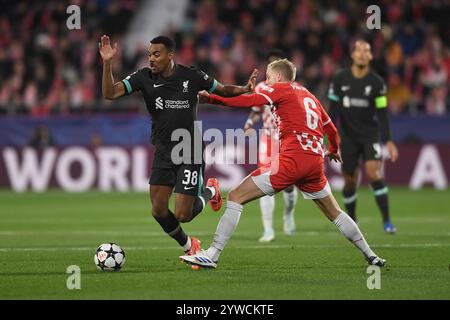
pixel 109 257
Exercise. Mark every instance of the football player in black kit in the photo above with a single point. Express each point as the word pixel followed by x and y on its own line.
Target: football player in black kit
pixel 358 97
pixel 170 93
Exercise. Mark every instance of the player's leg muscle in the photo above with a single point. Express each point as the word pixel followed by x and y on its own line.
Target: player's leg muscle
pixel 159 197
pixel 245 192
pixel 329 206
pixel 350 180
pixel 373 170
pixel 183 207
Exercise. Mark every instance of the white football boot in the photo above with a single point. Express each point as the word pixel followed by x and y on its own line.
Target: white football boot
pixel 268 236
pixel 376 261
pixel 200 259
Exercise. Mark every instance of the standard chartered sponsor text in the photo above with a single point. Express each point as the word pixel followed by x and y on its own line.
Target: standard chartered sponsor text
pixel 177 104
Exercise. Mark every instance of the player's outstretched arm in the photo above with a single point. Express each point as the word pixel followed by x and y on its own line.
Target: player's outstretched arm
pixel 110 90
pixel 233 91
pixel 245 101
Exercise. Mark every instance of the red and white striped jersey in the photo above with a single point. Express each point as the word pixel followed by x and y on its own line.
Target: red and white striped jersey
pixel 299 116
pixel 266 114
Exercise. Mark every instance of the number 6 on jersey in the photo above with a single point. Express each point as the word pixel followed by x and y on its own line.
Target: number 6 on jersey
pixel 311 116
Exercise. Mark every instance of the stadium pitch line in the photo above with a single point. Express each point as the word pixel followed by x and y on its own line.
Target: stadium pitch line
pixel 399 245
pixel 158 233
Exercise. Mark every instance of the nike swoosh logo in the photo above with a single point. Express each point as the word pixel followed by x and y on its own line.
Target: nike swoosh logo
pixel 188 188
pixel 345 88
pixel 157 85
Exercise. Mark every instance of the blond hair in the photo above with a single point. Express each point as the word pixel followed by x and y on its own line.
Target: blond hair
pixel 285 67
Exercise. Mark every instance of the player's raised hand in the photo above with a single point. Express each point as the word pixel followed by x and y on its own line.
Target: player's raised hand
pixel 203 96
pixel 392 149
pixel 106 51
pixel 251 84
pixel 334 156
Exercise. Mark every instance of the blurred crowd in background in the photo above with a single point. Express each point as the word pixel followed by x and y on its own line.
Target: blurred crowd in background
pixel 47 69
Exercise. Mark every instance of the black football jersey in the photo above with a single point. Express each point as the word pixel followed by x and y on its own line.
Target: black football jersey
pixel 358 100
pixel 172 103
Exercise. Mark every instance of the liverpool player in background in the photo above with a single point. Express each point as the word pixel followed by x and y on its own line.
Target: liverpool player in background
pixel 268 149
pixel 170 93
pixel 301 122
pixel 358 98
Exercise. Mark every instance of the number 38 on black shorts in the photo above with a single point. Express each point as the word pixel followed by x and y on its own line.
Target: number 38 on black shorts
pixel 186 178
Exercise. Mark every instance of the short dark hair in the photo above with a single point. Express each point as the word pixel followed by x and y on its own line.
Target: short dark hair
pixel 276 53
pixel 166 41
pixel 359 39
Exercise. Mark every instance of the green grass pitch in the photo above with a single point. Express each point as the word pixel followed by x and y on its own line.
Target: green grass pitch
pixel 42 234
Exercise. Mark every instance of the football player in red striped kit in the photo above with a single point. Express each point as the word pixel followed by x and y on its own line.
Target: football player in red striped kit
pixel 301 122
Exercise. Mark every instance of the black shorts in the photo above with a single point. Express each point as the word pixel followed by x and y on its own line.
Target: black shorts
pixel 352 151
pixel 186 178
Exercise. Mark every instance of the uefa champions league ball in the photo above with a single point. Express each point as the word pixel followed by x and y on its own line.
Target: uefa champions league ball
pixel 109 257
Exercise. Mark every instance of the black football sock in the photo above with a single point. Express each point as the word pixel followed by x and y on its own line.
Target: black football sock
pixel 200 201
pixel 380 191
pixel 350 202
pixel 172 227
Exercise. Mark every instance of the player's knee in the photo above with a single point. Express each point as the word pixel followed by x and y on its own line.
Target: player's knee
pixel 349 188
pixel 158 212
pixel 183 214
pixel 234 195
pixel 159 209
pixel 373 175
pixel 350 183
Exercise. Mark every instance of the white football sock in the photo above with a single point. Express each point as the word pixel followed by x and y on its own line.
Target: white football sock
pixel 213 191
pixel 351 231
pixel 290 200
pixel 225 229
pixel 267 204
pixel 188 244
